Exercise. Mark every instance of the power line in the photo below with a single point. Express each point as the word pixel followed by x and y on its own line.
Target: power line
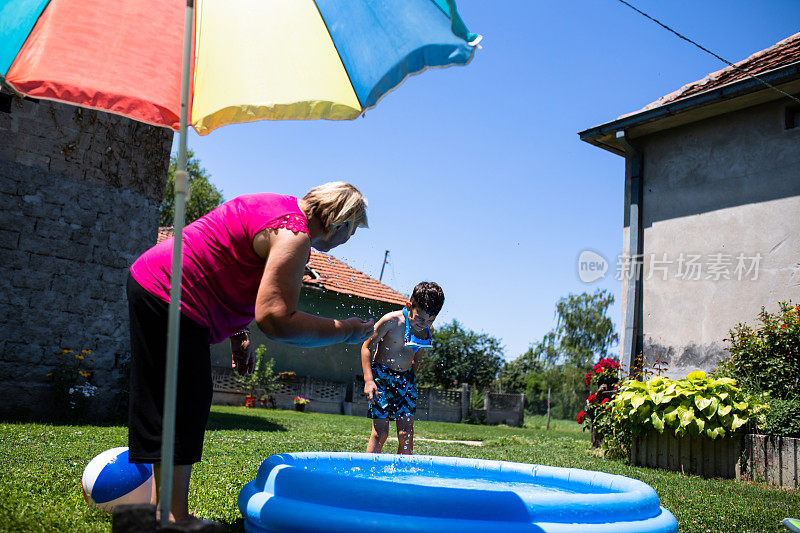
pixel 743 71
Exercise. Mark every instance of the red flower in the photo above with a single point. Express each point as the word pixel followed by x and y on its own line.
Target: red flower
pixel 784 326
pixel 591 398
pixel 588 379
pixel 580 417
pixel 605 400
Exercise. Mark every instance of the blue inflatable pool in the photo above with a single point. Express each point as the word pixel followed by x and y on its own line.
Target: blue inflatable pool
pixel 360 492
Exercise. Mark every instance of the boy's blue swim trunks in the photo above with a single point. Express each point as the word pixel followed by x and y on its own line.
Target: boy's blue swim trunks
pixel 396 395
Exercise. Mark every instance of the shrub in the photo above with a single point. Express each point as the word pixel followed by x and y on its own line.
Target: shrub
pixel 767 357
pixel 696 406
pixel 783 417
pixel 602 383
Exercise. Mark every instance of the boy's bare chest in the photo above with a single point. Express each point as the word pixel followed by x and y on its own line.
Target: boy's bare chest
pixel 392 350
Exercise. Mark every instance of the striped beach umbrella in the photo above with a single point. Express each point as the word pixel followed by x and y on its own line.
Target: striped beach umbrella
pixel 249 59
pixel 208 63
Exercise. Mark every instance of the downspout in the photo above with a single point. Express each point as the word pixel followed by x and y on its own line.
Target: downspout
pixel 633 339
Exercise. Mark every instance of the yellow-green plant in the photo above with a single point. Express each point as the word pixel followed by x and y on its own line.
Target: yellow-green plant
pixel 697 406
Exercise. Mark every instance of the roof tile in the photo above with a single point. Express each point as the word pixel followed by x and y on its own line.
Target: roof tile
pixel 781 54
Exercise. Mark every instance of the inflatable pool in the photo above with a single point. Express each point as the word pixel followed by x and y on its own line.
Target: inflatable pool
pixel 360 492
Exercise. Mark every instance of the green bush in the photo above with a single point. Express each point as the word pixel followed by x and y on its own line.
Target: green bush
pixel 696 406
pixel 767 358
pixel 783 417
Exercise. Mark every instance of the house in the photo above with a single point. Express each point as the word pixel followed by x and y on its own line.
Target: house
pixel 332 289
pixel 712 208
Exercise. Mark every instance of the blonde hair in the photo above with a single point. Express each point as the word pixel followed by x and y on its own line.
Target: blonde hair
pixel 335 204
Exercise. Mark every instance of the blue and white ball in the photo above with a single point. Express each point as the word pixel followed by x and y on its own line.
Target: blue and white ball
pixel 110 480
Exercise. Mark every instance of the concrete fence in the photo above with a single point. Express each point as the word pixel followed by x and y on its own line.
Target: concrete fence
pixel 775 460
pixel 329 396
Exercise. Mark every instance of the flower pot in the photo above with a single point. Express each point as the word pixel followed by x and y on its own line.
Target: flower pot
pixel 299 407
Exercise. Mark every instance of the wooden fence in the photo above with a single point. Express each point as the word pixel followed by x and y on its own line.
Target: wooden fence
pixel 771 459
pixel 690 455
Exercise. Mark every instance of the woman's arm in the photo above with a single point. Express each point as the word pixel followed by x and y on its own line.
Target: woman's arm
pixel 276 302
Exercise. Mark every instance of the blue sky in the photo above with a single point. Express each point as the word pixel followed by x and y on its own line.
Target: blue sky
pixel 475 175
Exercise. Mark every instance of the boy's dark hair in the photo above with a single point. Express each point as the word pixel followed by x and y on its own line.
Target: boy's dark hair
pixel 428 296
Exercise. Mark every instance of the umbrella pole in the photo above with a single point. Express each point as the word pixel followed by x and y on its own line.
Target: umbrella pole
pixel 173 328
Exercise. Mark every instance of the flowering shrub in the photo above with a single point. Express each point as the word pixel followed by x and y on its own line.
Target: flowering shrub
pixel 301 400
pixel 766 359
pixel 71 381
pixel 602 381
pixel 606 371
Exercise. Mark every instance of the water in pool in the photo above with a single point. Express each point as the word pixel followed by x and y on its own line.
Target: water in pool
pixel 419 476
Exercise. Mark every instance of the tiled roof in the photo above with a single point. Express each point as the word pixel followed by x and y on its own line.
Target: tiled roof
pixel 782 54
pixel 324 270
pixel 337 276
pixel 164 233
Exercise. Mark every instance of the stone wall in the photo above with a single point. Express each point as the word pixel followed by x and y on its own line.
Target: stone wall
pixel 80 191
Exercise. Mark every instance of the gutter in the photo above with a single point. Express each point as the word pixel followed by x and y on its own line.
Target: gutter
pixel 720 94
pixel 633 341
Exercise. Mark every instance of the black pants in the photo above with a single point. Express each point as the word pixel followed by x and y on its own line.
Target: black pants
pixel 148 324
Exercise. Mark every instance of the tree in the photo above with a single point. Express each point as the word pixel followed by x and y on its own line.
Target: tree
pixel 203 195
pixel 583 331
pixel 460 356
pixel 560 360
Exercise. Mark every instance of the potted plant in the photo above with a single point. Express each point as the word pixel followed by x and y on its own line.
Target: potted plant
pixel 261 381
pixel 300 403
pixel 287 375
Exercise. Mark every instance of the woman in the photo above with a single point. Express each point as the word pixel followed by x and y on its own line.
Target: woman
pixel 242 261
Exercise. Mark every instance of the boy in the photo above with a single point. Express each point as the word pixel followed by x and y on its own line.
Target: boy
pixel 389 359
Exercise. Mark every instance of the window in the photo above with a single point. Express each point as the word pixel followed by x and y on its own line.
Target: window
pixel 792 117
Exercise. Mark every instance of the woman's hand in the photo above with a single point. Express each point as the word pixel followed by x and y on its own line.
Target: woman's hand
pixel 242 354
pixel 360 330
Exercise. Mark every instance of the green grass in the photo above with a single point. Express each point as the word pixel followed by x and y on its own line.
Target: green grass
pixel 41 467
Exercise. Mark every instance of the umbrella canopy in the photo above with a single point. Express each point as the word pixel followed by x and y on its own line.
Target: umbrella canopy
pixel 250 59
pixel 208 63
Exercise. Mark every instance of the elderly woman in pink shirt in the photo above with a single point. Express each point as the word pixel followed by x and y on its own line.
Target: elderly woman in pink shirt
pixel 243 261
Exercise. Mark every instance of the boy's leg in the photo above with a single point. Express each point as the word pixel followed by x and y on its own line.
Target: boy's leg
pixel 405 435
pixel 380 430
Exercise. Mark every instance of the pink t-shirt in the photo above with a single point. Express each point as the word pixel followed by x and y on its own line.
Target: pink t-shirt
pixel 221 271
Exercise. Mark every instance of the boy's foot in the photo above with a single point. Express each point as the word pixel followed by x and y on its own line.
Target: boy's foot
pixel 792 524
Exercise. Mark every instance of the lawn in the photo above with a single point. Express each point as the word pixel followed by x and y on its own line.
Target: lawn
pixel 41 467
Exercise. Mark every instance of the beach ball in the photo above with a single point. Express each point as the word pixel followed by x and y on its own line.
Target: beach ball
pixel 110 480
